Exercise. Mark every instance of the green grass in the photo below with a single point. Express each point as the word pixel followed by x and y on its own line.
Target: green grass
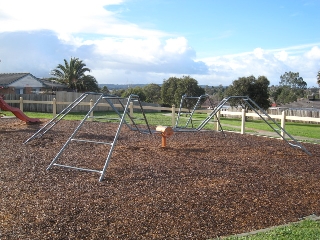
pixel 70 116
pixel 304 230
pixel 294 128
pixel 152 118
pixel 229 124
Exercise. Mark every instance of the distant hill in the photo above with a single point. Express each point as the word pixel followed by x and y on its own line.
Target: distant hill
pixel 125 86
pixel 121 86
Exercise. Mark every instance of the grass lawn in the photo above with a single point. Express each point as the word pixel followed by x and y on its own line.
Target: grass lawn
pixel 294 128
pixel 229 124
pixel 304 230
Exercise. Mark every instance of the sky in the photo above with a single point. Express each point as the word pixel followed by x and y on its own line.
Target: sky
pixel 149 41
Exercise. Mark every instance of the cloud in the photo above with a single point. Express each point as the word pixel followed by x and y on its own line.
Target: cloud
pixel 270 63
pixel 41 51
pixel 313 54
pixel 38 35
pixel 90 32
pixel 177 45
pixel 69 18
pixel 146 60
pixel 282 55
pixel 36 53
pixel 151 55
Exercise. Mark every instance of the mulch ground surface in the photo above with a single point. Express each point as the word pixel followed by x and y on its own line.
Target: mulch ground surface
pixel 201 186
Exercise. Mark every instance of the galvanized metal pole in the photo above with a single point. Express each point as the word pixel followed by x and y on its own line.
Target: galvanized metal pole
pixel 54 108
pixel 283 123
pixel 243 121
pixel 21 104
pixel 173 115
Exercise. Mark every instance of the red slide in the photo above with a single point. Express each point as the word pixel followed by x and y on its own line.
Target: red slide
pixel 17 112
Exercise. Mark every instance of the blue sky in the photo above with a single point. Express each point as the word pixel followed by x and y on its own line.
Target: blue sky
pixel 147 41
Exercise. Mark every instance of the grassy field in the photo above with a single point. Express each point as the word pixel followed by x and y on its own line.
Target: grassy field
pixel 304 230
pixel 229 124
pixel 294 128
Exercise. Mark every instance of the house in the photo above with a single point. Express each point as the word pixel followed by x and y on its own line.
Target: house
pixel 26 83
pixel 52 86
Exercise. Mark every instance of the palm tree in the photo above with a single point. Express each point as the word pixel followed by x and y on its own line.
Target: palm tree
pixel 73 75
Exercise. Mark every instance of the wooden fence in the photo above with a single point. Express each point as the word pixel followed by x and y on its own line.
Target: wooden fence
pixel 58 106
pixel 56 103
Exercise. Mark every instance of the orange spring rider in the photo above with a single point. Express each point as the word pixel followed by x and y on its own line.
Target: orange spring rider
pixel 165 132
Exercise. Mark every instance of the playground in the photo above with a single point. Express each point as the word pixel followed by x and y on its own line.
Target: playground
pixel 202 185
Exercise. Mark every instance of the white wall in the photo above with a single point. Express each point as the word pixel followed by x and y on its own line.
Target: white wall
pixel 27 81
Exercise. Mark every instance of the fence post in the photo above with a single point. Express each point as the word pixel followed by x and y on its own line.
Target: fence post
pixel 91 106
pixel 21 104
pixel 243 121
pixel 217 119
pixel 173 119
pixel 131 109
pixel 54 107
pixel 283 123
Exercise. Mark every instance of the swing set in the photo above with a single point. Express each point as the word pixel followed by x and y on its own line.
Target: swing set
pixel 125 118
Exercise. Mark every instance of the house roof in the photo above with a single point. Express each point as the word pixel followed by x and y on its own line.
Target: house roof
pixel 53 83
pixel 8 78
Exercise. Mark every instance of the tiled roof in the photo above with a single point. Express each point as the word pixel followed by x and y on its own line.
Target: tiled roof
pixel 302 104
pixel 7 78
pixel 52 83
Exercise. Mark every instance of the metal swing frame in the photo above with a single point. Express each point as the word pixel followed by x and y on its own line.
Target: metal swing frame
pixel 263 115
pixel 121 119
pixel 190 113
pixel 125 107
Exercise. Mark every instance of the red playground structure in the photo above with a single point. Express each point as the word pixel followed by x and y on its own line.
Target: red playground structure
pixel 18 113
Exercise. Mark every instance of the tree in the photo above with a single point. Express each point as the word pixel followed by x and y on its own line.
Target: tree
pixel 168 90
pixel 292 86
pixel 153 93
pixel 88 83
pixel 136 91
pixel 118 92
pixel 73 74
pixel 256 89
pixel 209 90
pixel 318 78
pixel 295 82
pixel 274 92
pixel 217 93
pixel 260 93
pixel 188 86
pixel 174 88
pixel 105 90
pixel 286 95
pixel 292 80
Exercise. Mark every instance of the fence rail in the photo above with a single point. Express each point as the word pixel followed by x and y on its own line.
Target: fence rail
pixel 58 106
pixel 45 103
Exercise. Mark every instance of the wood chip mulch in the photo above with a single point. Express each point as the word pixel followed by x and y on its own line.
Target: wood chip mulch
pixel 202 185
